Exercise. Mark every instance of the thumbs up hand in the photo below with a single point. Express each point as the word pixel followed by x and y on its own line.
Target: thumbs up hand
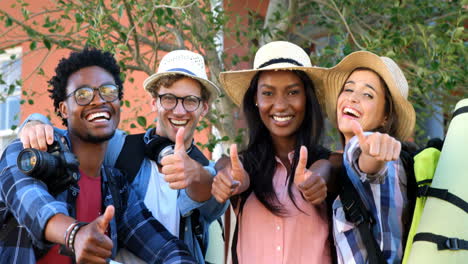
pixel 178 168
pixel 311 185
pixel 377 148
pixel 232 179
pixel 92 245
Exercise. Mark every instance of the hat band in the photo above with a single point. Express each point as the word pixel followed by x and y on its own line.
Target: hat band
pixel 182 70
pixel 279 60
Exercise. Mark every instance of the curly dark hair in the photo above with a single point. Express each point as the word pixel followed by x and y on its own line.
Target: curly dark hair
pixel 77 61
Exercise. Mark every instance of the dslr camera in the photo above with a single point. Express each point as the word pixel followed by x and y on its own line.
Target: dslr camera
pixel 57 168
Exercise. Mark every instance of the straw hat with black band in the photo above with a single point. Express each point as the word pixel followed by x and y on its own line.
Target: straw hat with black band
pixel 276 55
pixel 183 62
pixel 392 75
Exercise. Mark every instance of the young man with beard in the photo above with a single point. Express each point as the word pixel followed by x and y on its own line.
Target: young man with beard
pixel 100 214
pixel 176 187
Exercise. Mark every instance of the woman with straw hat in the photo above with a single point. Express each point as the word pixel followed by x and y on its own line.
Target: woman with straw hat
pixel 278 181
pixel 369 93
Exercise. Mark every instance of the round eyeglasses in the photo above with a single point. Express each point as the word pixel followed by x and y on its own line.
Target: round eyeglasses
pixel 85 95
pixel 169 101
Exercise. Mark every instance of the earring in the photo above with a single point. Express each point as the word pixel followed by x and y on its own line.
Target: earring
pixel 256 104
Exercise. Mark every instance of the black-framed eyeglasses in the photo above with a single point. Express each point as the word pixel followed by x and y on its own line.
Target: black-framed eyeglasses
pixel 85 95
pixel 169 101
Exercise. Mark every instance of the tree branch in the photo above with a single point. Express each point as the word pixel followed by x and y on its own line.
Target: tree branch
pixel 346 24
pixel 43 60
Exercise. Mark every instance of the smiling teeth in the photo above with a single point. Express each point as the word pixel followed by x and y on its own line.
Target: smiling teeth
pixel 97 115
pixel 351 111
pixel 282 118
pixel 179 122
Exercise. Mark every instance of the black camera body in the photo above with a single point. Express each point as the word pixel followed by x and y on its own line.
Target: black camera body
pixel 57 168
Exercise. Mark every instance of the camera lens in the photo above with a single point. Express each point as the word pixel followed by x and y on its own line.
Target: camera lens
pixel 37 163
pixel 27 160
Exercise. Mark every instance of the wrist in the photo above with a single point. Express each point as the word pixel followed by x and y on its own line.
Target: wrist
pixel 70 235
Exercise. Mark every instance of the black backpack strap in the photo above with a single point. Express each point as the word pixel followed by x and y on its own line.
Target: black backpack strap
pixel 198 156
pixel 459 111
pixel 443 242
pixel 116 183
pixel 221 225
pixel 443 194
pixel 197 228
pixel 133 150
pixel 243 198
pixel 357 213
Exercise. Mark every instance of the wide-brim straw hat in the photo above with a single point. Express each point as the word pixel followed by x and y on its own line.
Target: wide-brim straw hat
pixel 392 75
pixel 186 63
pixel 276 55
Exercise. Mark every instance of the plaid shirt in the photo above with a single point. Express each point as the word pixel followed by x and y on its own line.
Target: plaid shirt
pixel 27 200
pixel 384 194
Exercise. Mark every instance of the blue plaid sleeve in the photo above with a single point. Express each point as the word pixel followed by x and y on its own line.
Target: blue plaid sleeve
pixel 26 197
pixel 141 233
pixel 35 117
pixel 209 209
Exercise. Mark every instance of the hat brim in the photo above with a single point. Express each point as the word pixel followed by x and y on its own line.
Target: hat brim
pixel 236 83
pixel 148 84
pixel 335 78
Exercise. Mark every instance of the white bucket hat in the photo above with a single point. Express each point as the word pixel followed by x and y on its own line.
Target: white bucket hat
pixel 393 77
pixel 276 55
pixel 186 63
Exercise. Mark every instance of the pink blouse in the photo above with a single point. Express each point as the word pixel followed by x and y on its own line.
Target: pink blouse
pixel 296 238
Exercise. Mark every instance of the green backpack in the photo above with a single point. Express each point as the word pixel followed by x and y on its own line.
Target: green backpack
pixel 425 164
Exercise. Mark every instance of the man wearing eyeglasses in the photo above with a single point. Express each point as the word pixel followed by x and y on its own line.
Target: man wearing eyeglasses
pixel 173 177
pixel 91 217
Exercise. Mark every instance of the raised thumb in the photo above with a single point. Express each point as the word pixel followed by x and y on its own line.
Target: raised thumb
pixel 299 175
pixel 179 140
pixel 104 220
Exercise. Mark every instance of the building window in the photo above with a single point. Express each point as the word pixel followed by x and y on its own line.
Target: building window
pixel 10 93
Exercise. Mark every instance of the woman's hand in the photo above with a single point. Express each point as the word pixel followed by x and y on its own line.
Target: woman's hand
pixel 377 149
pixel 312 186
pixel 231 178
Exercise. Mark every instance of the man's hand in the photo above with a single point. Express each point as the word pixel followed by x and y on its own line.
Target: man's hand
pixel 311 185
pixel 231 180
pixel 35 134
pixel 376 148
pixel 92 245
pixel 179 169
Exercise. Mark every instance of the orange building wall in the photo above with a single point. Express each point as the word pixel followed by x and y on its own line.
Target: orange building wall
pixel 241 8
pixel 35 85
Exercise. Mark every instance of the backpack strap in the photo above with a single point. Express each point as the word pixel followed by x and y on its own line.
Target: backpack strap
pixel 243 198
pixel 461 110
pixel 443 194
pixel 443 242
pixel 357 213
pixel 133 150
pixel 197 228
pixel 198 156
pixel 117 185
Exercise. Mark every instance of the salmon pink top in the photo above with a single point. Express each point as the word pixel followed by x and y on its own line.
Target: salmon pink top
pixel 297 237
